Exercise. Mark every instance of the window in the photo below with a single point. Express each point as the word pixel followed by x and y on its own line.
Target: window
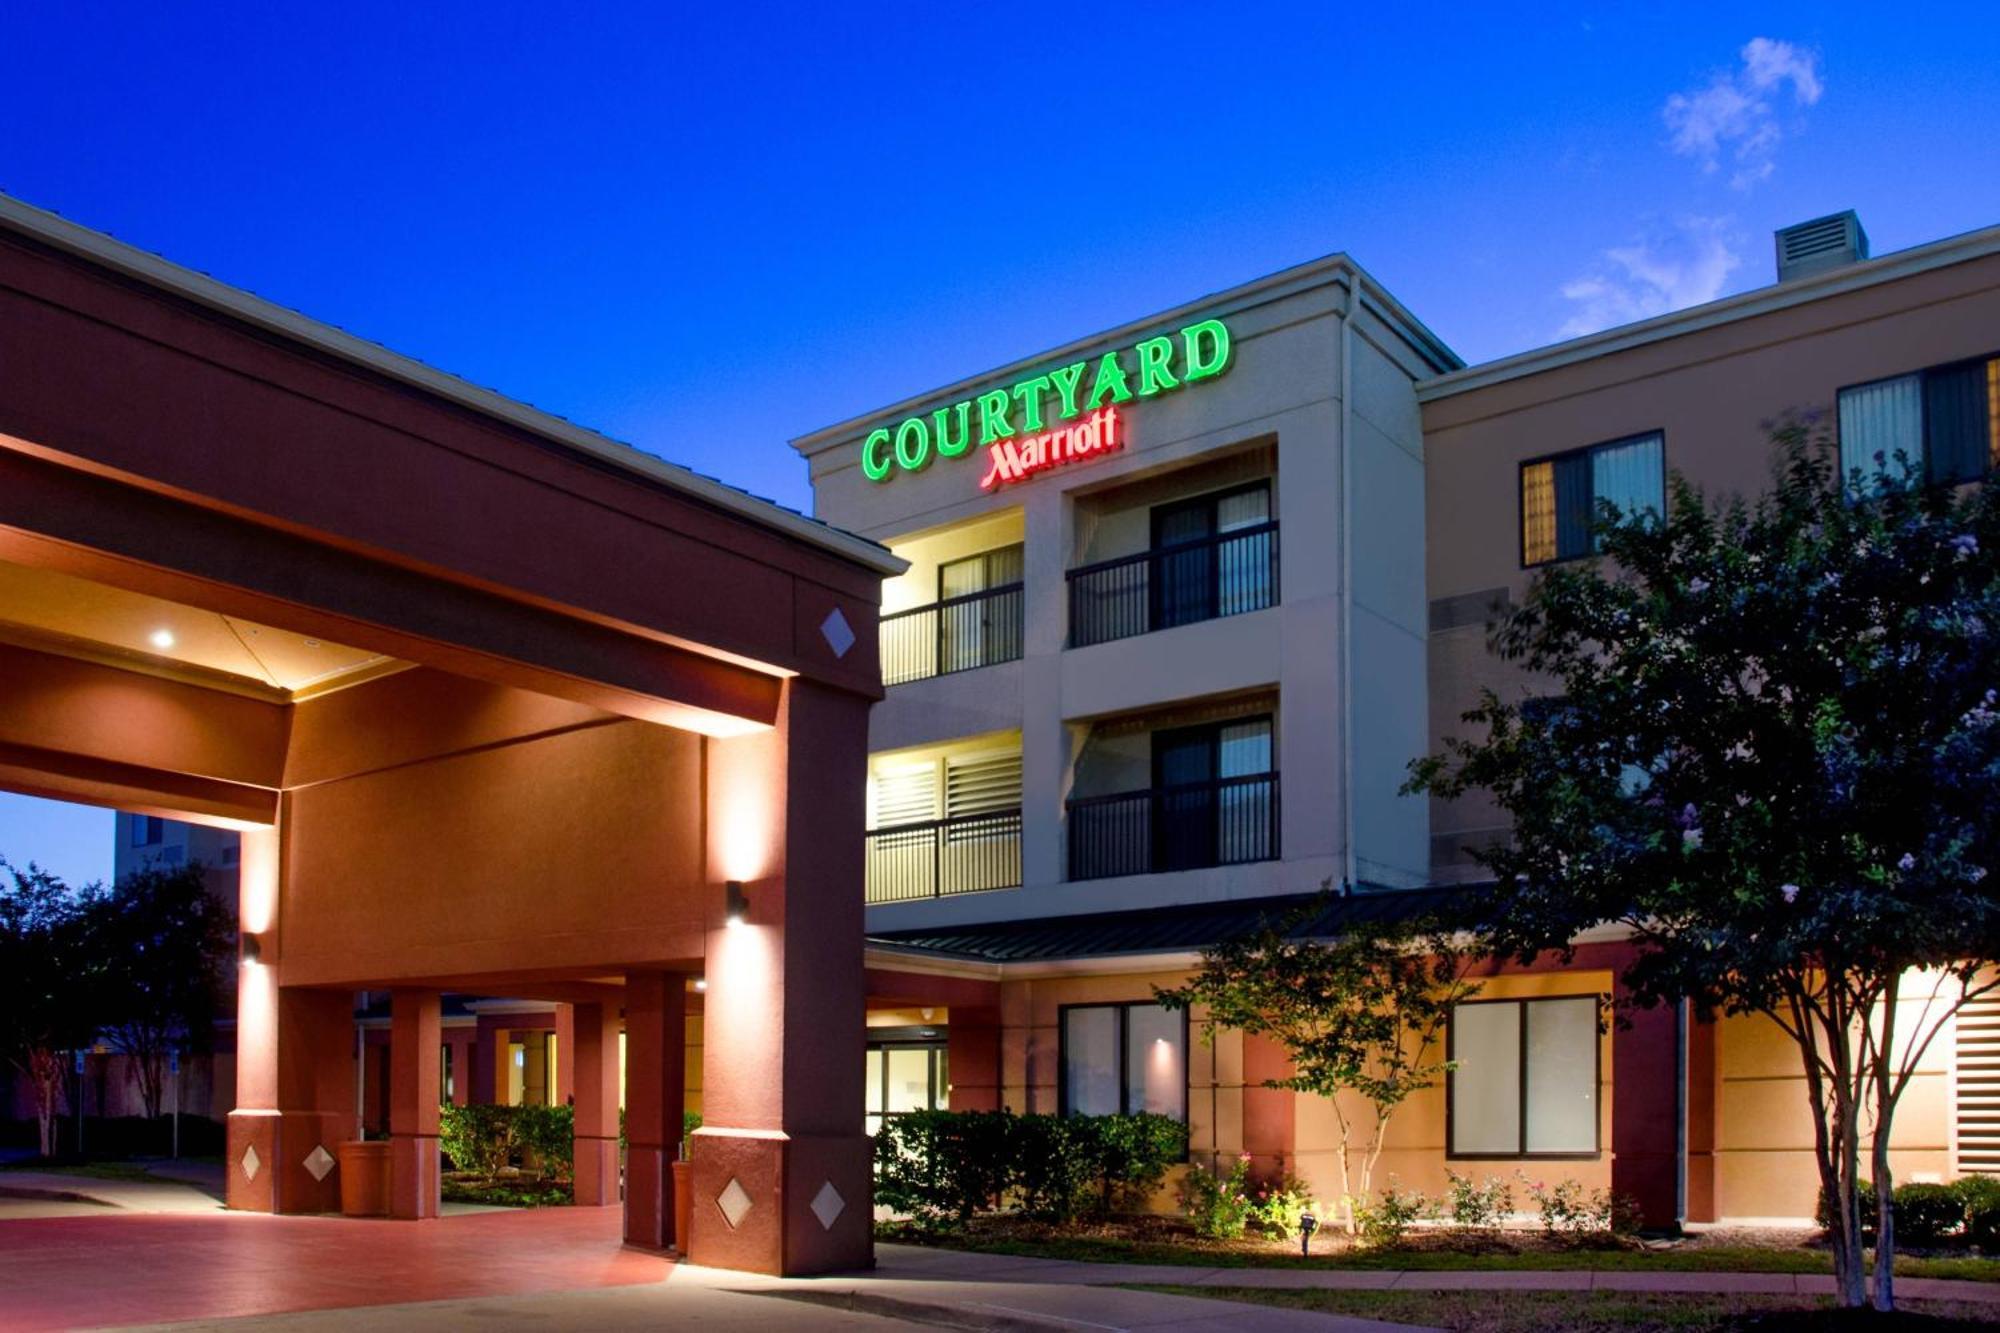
pixel 984 630
pixel 904 1076
pixel 1201 573
pixel 1945 421
pixel 1119 1059
pixel 1524 1081
pixel 1560 495
pixel 147 830
pixel 1207 819
pixel 444 1074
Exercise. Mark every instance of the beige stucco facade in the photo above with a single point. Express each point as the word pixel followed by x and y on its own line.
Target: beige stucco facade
pixel 1711 381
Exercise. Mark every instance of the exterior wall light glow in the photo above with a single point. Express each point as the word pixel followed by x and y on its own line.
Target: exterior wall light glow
pixel 253 949
pixel 162 639
pixel 701 983
pixel 737 906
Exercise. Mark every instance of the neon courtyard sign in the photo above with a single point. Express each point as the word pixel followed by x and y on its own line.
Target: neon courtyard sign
pixel 1023 428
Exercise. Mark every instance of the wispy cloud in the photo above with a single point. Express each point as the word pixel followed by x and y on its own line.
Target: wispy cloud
pixel 1734 122
pixel 1669 268
pixel 1737 118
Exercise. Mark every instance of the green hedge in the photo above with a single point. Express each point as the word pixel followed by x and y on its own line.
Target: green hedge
pixel 1965 1212
pixel 484 1139
pixel 941 1167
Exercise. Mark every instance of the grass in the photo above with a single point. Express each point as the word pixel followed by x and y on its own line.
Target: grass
pixel 1701 1259
pixel 1600 1311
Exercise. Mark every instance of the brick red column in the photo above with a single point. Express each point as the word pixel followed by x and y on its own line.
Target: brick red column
pixel 781 1165
pixel 1270 1132
pixel 655 1090
pixel 414 1075
pixel 1645 1112
pixel 594 1041
pixel 972 1057
pixel 1702 1116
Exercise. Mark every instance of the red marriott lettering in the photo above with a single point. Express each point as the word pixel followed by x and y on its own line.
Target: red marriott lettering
pixel 1018 460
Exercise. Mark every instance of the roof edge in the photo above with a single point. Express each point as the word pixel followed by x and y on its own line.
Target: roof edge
pixel 1385 306
pixel 58 232
pixel 1767 299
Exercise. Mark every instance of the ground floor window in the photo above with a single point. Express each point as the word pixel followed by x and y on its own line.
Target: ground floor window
pixel 1124 1058
pixel 1524 1081
pixel 905 1076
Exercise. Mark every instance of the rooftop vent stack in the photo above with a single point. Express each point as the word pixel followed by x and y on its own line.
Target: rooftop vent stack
pixel 1823 243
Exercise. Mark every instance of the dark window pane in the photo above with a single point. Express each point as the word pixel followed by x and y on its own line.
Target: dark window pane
pixel 1574 510
pixel 1955 425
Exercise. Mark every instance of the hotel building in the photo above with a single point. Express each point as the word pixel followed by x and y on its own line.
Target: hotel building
pixel 1144 690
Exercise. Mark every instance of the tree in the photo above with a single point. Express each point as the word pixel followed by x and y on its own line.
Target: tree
pixel 163 939
pixel 1771 753
pixel 47 980
pixel 1361 1012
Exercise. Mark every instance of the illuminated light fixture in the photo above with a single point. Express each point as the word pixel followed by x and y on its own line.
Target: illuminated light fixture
pixel 701 983
pixel 736 908
pixel 162 639
pixel 253 949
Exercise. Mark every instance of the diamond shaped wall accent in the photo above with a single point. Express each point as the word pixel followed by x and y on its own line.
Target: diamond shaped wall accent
pixel 319 1161
pixel 827 1205
pixel 251 1161
pixel 734 1201
pixel 839 635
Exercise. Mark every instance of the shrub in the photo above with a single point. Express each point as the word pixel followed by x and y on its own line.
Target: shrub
pixel 941 1167
pixel 1218 1208
pixel 477 1138
pixel 1276 1207
pixel 1567 1210
pixel 1134 1153
pixel 1390 1217
pixel 1478 1207
pixel 547 1139
pixel 1981 1197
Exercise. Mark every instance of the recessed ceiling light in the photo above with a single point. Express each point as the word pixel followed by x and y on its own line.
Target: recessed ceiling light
pixel 312 643
pixel 162 639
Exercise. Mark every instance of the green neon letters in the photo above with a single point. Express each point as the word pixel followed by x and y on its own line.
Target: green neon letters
pixel 1162 364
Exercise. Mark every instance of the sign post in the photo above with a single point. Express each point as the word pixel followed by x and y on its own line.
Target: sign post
pixel 79 1102
pixel 174 1068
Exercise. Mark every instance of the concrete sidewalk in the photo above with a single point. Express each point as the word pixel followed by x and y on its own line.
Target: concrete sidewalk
pixel 920 1263
pixel 61 1193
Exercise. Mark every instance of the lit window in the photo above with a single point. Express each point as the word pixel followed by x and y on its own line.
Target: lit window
pixel 1120 1059
pixel 1524 1078
pixel 1560 496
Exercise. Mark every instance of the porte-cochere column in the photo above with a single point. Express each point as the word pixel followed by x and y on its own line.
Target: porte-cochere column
pixel 781 1164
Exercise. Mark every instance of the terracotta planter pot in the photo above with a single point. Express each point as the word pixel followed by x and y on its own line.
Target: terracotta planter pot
pixel 364 1178
pixel 683 1204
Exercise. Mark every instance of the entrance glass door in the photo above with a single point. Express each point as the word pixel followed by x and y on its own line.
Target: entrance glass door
pixel 904 1076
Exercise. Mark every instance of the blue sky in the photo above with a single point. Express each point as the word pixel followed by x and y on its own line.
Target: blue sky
pixel 707 229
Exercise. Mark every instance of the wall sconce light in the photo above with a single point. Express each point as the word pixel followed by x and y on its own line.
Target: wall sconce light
pixel 701 983
pixel 253 948
pixel 736 909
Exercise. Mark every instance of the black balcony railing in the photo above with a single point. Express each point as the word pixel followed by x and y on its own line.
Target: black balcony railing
pixel 957 634
pixel 1226 821
pixel 1223 575
pixel 968 854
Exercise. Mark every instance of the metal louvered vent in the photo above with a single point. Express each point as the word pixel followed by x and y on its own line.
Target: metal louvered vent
pixel 1823 243
pixel 1978 1102
pixel 981 784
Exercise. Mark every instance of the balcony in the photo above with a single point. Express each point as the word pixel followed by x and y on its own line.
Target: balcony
pixel 942 857
pixel 1182 583
pixel 956 634
pixel 1188 826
